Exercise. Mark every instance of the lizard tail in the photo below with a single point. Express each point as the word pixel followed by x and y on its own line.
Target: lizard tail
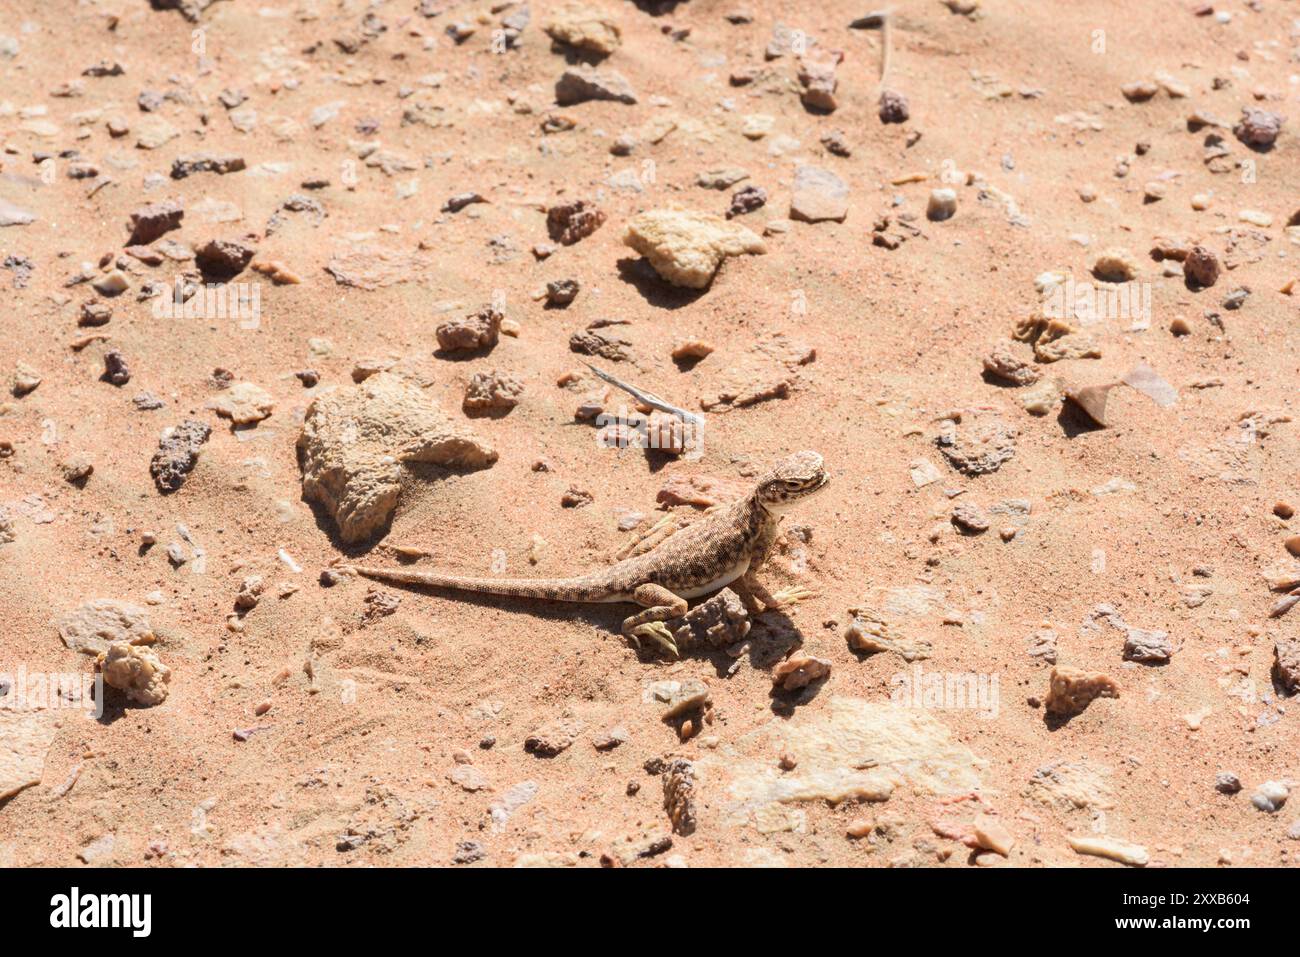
pixel 550 589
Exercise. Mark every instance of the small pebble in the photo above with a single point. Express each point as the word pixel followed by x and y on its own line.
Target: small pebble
pixel 942 205
pixel 1270 796
pixel 1225 782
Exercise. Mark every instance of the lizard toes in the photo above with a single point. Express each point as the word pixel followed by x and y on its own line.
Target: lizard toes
pixel 791 595
pixel 657 632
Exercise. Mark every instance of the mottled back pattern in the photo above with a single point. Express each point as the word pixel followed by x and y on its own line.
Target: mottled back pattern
pixel 700 553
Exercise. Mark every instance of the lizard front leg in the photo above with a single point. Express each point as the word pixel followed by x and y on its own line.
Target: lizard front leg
pixel 660 604
pixel 750 588
pixel 744 588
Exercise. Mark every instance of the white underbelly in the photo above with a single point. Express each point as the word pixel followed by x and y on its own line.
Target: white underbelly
pixel 726 578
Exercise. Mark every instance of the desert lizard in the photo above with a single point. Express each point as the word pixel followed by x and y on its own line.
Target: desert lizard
pixel 726 546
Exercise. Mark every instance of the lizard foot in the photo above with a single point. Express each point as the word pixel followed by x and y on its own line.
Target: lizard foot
pixel 790 596
pixel 658 633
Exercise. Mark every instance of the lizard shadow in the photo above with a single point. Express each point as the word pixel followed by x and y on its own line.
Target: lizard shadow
pixel 656 460
pixel 591 614
pixel 779 639
pixel 772 637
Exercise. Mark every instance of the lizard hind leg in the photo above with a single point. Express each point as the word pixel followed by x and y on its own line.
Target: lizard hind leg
pixel 650 539
pixel 660 605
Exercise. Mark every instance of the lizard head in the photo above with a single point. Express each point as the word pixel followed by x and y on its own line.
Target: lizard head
pixel 792 479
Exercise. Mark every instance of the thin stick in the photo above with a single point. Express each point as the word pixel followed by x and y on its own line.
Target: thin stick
pixel 881 19
pixel 648 398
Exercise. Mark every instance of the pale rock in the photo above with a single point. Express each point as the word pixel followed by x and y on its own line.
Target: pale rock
pixel 686 247
pixel 1270 796
pixel 871 632
pixel 1112 848
pixel 25 739
pixel 1073 689
pixel 586 29
pixel 1071 785
pixel 942 204
pixel 680 697
pixel 26 380
pixel 991 834
pixel 154 133
pixel 818 196
pixel 826 747
pixel 755 126
pixel 112 283
pixel 1115 265
pixel 1002 363
pixel 356 440
pixel 243 403
pixel 11 215
pixel 92 627
pixel 721 178
pixel 582 83
pixel 137 670
pixel 799 671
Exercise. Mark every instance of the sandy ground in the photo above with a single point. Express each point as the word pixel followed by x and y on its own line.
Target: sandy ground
pixel 373 718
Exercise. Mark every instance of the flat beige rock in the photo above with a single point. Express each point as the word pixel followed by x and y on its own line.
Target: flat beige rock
pixel 687 247
pixel 372 267
pixel 25 738
pixel 818 196
pixel 849 750
pixel 95 625
pixel 1071 785
pixel 1112 848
